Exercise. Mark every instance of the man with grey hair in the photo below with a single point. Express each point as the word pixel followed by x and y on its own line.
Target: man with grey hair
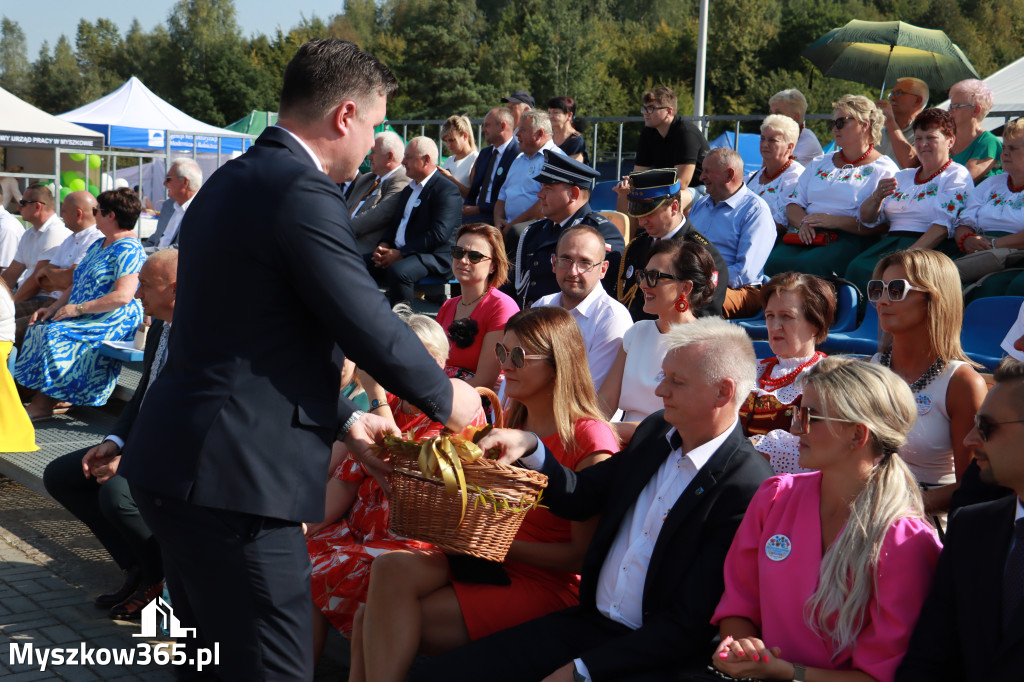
pixel 908 99
pixel 374 200
pixel 740 224
pixel 517 203
pixel 420 239
pixel 183 180
pixel 492 166
pixel 792 103
pixel 667 508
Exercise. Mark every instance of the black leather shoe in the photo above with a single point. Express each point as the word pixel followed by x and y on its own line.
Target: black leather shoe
pixel 132 578
pixel 131 608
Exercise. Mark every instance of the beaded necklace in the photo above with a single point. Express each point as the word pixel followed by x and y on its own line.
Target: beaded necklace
pixel 928 377
pixel 766 178
pixel 863 156
pixel 1011 187
pixel 766 381
pixel 932 176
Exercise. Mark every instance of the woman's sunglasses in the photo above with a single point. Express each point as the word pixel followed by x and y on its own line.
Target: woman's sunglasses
pixel 802 417
pixel 651 277
pixel 96 210
pixel 458 253
pixel 897 289
pixel 839 123
pixel 518 355
pixel 986 427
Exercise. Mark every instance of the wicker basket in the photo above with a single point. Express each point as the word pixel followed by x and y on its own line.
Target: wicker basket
pixel 421 508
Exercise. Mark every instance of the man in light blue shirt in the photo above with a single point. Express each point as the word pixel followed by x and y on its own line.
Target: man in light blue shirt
pixel 517 202
pixel 740 224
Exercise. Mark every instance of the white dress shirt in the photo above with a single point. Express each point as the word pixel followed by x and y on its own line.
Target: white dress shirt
pixel 602 321
pixel 40 244
pixel 414 200
pixel 72 250
pixel 174 224
pixel 11 230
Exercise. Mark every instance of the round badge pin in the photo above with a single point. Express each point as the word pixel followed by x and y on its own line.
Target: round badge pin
pixel 416 204
pixel 924 403
pixel 778 547
pixel 629 272
pixel 500 170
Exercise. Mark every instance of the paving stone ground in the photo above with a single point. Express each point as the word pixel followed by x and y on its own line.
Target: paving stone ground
pixel 51 568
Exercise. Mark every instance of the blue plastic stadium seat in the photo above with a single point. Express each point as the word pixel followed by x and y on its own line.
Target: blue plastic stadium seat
pixel 762 350
pixel 986 322
pixel 603 197
pixel 863 340
pixel 846 315
pixel 11 359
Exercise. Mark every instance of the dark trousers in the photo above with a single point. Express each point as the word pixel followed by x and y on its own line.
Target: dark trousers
pixel 243 581
pixel 110 513
pixel 400 278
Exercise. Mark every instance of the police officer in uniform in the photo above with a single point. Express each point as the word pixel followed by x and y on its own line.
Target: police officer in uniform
pixel 654 201
pixel 564 199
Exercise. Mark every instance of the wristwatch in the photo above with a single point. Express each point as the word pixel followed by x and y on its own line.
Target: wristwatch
pixel 78 308
pixel 799 673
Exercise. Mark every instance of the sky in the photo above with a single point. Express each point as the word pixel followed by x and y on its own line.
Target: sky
pixel 46 22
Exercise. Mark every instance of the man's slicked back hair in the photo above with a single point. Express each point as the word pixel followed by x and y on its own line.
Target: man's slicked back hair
pixel 327 71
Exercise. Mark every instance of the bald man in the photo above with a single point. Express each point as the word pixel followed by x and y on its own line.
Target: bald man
pixel 908 99
pixel 740 224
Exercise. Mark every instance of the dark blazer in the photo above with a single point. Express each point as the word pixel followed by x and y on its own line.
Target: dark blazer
pixel 243 414
pixel 432 223
pixel 166 210
pixel 959 634
pixel 380 211
pixel 127 419
pixel 474 197
pixel 684 579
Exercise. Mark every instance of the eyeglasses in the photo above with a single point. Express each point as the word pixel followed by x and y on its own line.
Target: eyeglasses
pixel 584 266
pixel 899 92
pixel 802 417
pixel 840 123
pixel 100 211
pixel 897 289
pixel 960 106
pixel 650 109
pixel 518 355
pixel 986 427
pixel 651 277
pixel 26 202
pixel 170 177
pixel 458 253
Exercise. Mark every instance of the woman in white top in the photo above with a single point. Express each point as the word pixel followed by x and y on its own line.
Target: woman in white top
pixel 920 312
pixel 777 179
pixel 994 214
pixel 918 207
pixel 825 205
pixel 457 135
pixel 798 310
pixel 679 278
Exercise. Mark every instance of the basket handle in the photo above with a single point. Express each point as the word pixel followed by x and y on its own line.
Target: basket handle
pixel 499 414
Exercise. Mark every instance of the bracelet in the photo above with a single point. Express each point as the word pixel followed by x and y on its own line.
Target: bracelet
pixel 799 673
pixel 960 242
pixel 992 242
pixel 375 404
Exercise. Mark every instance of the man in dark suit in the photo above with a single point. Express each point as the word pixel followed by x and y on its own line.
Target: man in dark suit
pixel 564 199
pixel 669 505
pixel 86 482
pixel 420 240
pixel 375 197
pixel 491 168
pixel 252 390
pixel 654 200
pixel 971 627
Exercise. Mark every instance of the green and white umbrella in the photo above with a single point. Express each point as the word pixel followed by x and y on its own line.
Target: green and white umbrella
pixel 870 52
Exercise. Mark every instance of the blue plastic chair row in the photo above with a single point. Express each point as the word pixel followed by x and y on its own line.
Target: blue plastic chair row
pixel 846 315
pixel 603 197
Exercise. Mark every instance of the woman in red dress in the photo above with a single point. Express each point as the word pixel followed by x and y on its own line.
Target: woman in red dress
pixel 415 604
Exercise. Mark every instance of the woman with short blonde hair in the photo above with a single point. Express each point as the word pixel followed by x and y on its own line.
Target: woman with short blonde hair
pixel 778 177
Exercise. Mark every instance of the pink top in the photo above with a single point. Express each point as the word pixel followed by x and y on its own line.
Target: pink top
pixel 491 314
pixel 772 571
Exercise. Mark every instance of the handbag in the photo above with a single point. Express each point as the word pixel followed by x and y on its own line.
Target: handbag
pixel 821 238
pixel 974 266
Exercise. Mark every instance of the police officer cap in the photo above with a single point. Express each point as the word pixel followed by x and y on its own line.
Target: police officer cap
pixel 561 169
pixel 649 190
pixel 521 96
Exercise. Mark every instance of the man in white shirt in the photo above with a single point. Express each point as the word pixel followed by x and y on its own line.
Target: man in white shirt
pixel 668 507
pixel 184 178
pixel 38 245
pixel 579 265
pixel 374 200
pixel 517 202
pixel 419 243
pixel 908 99
pixel 11 230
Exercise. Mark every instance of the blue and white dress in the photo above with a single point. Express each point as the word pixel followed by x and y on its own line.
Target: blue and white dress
pixel 62 358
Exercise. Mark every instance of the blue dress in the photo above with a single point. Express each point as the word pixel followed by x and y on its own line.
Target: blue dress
pixel 62 359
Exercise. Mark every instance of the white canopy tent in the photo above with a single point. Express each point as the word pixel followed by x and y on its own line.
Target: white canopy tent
pixel 1008 87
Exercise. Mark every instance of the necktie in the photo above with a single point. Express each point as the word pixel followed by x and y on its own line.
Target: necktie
pixel 488 172
pixel 161 354
pixel 373 188
pixel 1013 576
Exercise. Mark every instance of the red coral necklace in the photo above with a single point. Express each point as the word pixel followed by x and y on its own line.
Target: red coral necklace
pixel 766 381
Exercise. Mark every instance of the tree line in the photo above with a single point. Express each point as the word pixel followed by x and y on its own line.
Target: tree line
pixel 462 56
